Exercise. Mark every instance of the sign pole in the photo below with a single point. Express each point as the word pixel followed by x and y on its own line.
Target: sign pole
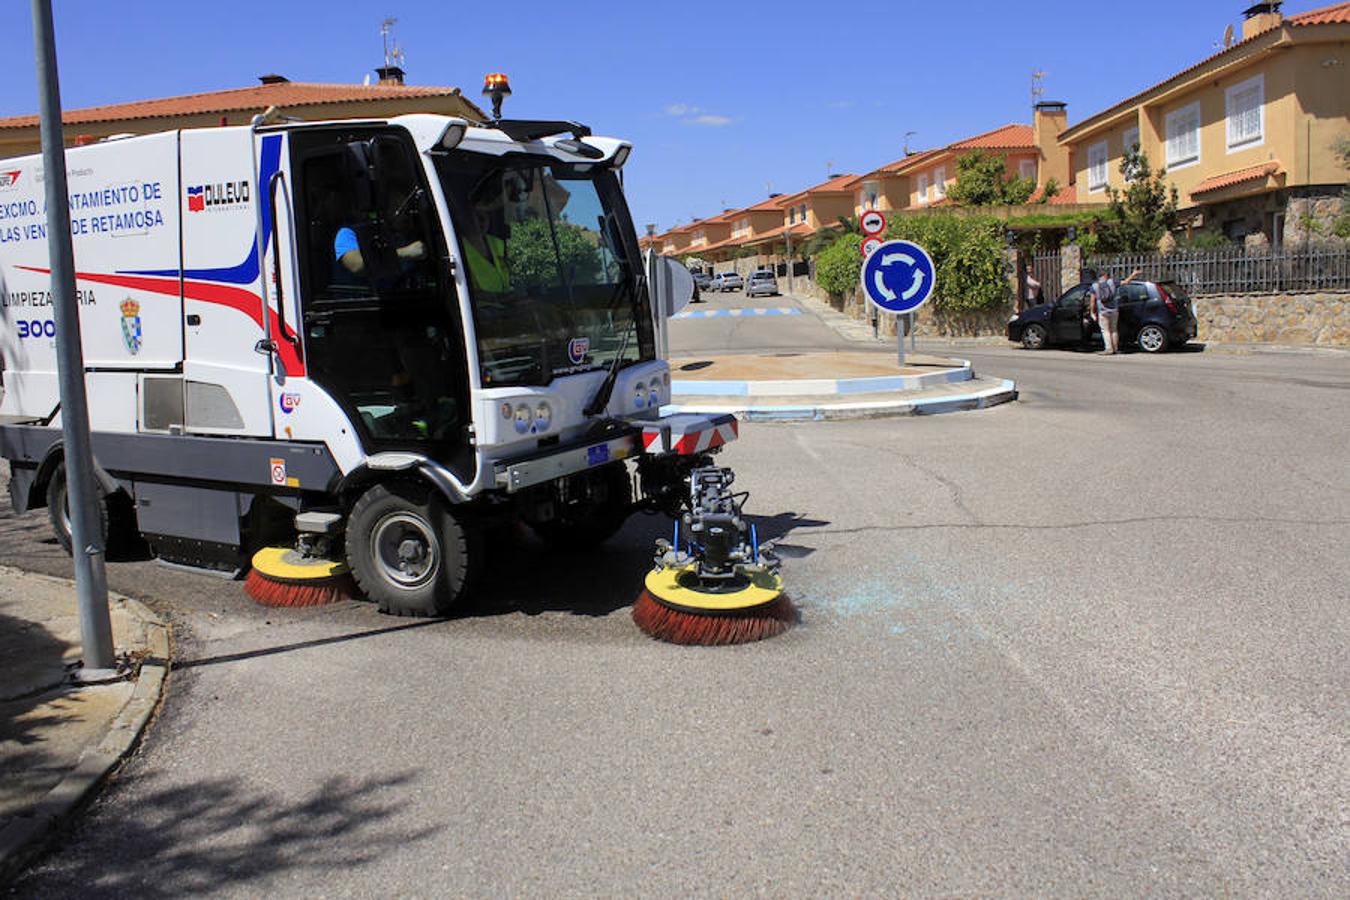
pixel 897 277
pixel 86 541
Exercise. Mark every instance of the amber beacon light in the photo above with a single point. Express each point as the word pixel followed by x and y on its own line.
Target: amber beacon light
pixel 496 85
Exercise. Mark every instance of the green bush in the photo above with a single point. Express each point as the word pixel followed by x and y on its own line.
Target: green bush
pixel 968 257
pixel 838 267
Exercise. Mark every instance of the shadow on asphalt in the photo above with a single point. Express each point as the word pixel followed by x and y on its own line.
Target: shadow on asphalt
pixel 220 835
pixel 37 650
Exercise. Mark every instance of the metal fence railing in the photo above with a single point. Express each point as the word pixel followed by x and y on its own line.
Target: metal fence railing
pixel 1238 270
pixel 1045 266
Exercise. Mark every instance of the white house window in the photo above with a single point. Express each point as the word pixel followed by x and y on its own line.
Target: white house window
pixel 923 188
pixel 1027 169
pixel 1130 140
pixel 1244 105
pixel 871 191
pixel 940 182
pixel 1183 136
pixel 1097 168
pixel 792 215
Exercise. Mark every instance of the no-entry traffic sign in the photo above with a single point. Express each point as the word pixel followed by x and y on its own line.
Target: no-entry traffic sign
pixel 873 222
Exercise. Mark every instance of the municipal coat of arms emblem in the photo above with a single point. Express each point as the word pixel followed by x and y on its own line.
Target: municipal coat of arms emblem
pixel 131 325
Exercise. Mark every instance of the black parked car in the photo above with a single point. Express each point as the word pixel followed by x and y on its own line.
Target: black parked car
pixel 1155 315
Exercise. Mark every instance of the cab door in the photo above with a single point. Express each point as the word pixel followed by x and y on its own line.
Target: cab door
pixel 225 319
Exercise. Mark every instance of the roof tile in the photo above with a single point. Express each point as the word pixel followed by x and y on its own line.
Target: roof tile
pixel 255 97
pixel 1228 179
pixel 1009 137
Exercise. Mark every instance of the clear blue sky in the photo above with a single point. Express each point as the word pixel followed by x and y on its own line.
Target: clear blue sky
pixel 720 99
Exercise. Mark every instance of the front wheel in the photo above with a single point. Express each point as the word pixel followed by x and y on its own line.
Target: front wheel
pixel 1152 339
pixel 116 517
pixel 1035 337
pixel 409 552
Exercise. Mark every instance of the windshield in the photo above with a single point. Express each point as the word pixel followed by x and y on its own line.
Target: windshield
pixel 545 247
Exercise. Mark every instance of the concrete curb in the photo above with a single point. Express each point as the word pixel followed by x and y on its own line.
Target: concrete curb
pixel 23 837
pixel 796 387
pixel 1003 392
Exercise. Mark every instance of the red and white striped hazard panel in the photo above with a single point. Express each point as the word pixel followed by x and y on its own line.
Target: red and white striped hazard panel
pixel 687 433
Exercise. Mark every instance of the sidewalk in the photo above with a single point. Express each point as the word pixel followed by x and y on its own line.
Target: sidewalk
pixel 811 386
pixel 59 739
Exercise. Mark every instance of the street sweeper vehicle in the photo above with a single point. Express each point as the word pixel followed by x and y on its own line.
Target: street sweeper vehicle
pixel 337 356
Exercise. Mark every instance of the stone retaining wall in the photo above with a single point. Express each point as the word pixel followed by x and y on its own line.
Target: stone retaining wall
pixel 1321 319
pixel 1312 318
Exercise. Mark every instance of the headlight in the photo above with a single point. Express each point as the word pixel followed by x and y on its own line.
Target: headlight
pixel 654 396
pixel 543 416
pixel 523 419
pixel 640 394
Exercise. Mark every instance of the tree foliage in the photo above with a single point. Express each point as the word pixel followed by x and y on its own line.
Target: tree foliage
pixel 967 253
pixel 533 259
pixel 982 180
pixel 1341 227
pixel 1138 217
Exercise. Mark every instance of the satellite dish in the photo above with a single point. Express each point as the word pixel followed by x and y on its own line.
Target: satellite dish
pixel 1228 36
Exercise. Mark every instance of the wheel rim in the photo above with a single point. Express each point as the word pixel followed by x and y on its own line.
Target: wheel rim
pixel 65 511
pixel 405 550
pixel 1034 337
pixel 1151 339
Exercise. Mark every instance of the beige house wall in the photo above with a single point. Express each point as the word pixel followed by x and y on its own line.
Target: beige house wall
pixel 1306 87
pixel 824 210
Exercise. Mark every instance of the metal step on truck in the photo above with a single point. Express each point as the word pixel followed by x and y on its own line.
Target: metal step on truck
pixel 368 340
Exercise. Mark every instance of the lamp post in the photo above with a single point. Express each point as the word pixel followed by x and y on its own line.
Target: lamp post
pixel 86 532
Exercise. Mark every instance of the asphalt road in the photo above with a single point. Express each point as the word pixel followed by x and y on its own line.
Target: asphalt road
pixel 1090 643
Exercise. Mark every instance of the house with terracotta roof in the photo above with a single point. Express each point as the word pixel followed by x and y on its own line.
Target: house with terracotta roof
pixel 237 106
pixel 1246 134
pixel 921 179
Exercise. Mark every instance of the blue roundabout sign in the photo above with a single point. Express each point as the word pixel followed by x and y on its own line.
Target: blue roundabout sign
pixel 898 276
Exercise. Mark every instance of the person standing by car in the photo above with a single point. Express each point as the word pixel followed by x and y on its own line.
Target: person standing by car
pixel 1032 293
pixel 1103 307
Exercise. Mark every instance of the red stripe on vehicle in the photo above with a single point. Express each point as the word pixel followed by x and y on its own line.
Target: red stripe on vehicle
pixel 246 302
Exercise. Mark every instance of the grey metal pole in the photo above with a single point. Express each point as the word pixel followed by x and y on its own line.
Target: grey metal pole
pixel 900 338
pixel 91 585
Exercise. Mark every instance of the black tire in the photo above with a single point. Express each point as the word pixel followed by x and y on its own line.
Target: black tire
pixel 117 518
pixel 1152 338
pixel 581 526
pixel 1035 337
pixel 409 552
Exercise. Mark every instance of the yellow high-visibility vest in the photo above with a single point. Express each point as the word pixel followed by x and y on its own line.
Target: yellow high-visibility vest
pixel 489 274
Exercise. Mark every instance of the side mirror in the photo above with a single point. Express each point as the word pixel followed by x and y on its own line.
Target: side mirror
pixel 671 287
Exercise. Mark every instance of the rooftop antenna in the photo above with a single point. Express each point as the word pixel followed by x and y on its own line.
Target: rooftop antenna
pixel 908 135
pixel 1037 91
pixel 1228 36
pixel 393 53
pixel 829 168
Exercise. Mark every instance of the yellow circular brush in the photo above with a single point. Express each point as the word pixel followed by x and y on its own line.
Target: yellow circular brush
pixel 675 607
pixel 281 576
